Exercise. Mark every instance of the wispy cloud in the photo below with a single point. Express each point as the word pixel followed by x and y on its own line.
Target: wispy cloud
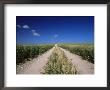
pixel 35 33
pixel 18 26
pixel 26 26
pixel 56 35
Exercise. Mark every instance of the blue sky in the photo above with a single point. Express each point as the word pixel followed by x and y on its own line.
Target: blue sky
pixel 54 29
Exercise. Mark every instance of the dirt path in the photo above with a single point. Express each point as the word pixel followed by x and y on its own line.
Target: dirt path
pixel 82 66
pixel 36 65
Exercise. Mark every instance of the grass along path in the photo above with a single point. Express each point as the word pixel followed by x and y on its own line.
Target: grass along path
pixel 58 63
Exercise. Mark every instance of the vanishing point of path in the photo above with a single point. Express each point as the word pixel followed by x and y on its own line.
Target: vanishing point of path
pixel 36 65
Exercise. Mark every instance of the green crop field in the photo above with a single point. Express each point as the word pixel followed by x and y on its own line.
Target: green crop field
pixel 28 52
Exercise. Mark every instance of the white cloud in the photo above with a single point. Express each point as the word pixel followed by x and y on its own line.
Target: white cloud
pixel 35 33
pixel 18 26
pixel 56 35
pixel 26 26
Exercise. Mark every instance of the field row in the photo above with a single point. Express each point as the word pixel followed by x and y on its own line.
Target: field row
pixel 24 53
pixel 85 51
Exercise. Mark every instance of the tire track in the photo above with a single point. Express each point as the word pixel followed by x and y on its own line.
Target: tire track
pixel 34 66
pixel 82 66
